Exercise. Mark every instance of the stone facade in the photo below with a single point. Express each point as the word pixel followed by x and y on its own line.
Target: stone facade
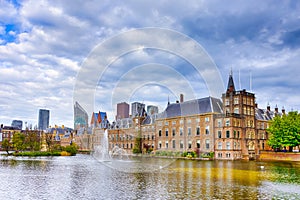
pixel 231 128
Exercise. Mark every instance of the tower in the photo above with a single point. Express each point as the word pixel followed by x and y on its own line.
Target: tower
pixel 122 110
pixel 235 131
pixel 239 108
pixel 43 119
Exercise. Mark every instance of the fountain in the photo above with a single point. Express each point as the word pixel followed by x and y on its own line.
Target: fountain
pixel 101 151
pixel 118 159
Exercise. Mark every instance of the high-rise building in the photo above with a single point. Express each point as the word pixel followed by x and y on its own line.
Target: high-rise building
pixel 152 109
pixel 122 110
pixel 44 116
pixel 17 123
pixel 80 117
pixel 137 109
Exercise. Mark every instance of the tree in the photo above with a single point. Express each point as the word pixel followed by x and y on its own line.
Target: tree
pixel 6 145
pixel 49 141
pixel 285 131
pixel 137 144
pixel 18 141
pixel 33 140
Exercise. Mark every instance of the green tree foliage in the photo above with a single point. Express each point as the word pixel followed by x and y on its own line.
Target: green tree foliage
pixel 137 144
pixel 6 145
pixel 19 141
pixel 285 131
pixel 33 140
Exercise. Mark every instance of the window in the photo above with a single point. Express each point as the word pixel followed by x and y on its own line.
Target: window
pixel 198 130
pixel 167 144
pixel 131 145
pixel 174 122
pixel 207 130
pixel 219 155
pixel 227 155
pixel 227 145
pixel 206 119
pixel 159 144
pixel 190 144
pixel 198 144
pixel 227 134
pixel 219 134
pixel 219 145
pixel 173 144
pixel 207 143
pixel 234 134
pixel 236 100
pixel 181 131
pixel 166 123
pixel 159 133
pixel 197 119
pixel 181 121
pixel 227 122
pixel 167 132
pixel 173 132
pixel 226 102
pixel 219 121
pixel 234 145
pixel 236 110
pixel 181 144
pixel 189 121
pixel 189 131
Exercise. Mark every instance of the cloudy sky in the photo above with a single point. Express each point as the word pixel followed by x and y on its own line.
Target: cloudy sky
pixel 46 46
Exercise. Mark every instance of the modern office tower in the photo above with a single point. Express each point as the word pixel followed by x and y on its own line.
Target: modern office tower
pixel 122 110
pixel 152 109
pixel 137 109
pixel 17 123
pixel 80 117
pixel 44 116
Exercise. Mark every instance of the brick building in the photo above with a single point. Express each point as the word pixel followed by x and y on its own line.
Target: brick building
pixel 231 128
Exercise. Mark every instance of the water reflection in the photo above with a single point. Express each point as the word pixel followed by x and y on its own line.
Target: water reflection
pixel 83 177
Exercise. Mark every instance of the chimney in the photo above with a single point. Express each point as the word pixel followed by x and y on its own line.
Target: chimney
pixel 283 110
pixel 268 107
pixel 256 105
pixel 181 98
pixel 177 101
pixel 276 109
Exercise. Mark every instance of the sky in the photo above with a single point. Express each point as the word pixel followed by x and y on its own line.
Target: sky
pixel 51 52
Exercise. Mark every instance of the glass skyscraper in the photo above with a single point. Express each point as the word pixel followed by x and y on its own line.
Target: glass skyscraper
pixel 43 119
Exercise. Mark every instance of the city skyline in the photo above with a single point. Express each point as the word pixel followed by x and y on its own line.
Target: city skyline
pixel 43 46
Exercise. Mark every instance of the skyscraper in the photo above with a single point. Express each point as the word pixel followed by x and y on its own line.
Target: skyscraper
pixel 122 110
pixel 80 117
pixel 17 123
pixel 43 119
pixel 152 109
pixel 137 109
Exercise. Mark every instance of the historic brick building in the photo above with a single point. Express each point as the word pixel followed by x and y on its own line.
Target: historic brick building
pixel 232 128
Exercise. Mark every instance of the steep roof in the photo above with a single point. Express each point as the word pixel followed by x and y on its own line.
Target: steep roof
pixel 230 87
pixel 192 107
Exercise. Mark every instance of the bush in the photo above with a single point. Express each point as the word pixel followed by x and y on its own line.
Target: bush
pixel 72 149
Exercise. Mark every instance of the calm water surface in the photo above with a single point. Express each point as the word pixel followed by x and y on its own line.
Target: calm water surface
pixel 83 177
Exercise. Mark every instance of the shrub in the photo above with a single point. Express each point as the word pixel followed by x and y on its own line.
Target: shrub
pixel 72 149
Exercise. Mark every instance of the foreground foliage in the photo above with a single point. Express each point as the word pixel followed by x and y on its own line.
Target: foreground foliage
pixel 285 131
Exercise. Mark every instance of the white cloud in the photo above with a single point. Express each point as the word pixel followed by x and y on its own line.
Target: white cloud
pixel 53 38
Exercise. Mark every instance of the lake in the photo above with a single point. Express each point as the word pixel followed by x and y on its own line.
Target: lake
pixel 85 177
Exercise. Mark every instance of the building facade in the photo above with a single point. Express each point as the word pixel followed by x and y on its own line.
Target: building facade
pixel 122 110
pixel 80 117
pixel 17 123
pixel 231 128
pixel 43 121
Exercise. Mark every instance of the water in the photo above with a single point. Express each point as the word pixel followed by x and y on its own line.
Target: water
pixel 84 177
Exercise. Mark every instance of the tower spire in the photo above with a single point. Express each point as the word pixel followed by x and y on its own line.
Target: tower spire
pixel 230 87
